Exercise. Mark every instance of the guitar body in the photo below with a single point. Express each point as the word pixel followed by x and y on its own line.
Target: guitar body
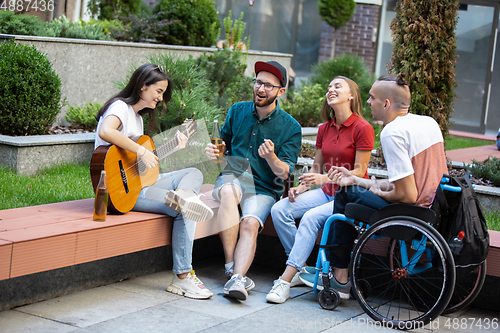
pixel 125 176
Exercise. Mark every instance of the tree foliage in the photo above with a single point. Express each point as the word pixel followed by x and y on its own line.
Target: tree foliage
pixel 424 46
pixel 336 13
pixel 196 22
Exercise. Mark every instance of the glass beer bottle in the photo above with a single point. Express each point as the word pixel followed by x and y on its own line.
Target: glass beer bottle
pixel 217 140
pixel 101 199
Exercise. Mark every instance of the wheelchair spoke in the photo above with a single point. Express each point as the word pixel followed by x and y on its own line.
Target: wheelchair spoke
pixel 410 281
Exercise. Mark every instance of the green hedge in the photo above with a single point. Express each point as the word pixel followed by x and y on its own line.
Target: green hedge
pixel 30 90
pixel 23 24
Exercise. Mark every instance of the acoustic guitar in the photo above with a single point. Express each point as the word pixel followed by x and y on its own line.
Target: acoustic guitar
pixel 126 174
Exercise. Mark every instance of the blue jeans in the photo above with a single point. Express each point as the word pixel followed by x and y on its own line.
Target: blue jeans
pixel 342 233
pixel 314 207
pixel 152 200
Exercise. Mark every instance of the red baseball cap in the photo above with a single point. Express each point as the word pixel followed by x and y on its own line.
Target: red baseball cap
pixel 274 68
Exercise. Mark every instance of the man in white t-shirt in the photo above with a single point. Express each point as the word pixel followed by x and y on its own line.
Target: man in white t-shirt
pixel 414 154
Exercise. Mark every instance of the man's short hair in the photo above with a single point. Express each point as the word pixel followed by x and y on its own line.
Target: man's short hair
pixel 402 94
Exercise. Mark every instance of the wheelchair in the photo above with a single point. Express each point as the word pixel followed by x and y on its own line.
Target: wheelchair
pixel 402 270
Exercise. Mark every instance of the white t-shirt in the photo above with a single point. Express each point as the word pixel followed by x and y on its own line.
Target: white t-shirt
pixel 414 145
pixel 131 123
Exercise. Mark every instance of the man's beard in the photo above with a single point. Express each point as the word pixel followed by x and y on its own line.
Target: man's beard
pixel 265 102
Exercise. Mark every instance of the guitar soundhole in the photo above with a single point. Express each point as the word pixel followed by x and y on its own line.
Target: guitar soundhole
pixel 124 176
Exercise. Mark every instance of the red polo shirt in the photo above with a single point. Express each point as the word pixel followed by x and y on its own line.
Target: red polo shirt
pixel 339 146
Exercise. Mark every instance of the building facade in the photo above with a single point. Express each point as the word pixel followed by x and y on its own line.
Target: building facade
pixel 477 106
pixel 295 26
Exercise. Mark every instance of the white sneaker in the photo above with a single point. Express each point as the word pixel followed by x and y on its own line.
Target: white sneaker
pixel 279 293
pixel 296 281
pixel 189 204
pixel 190 287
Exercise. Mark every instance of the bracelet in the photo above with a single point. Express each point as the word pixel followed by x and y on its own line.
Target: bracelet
pixel 145 150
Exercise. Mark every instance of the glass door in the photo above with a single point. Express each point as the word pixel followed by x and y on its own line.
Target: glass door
pixel 493 106
pixel 476 36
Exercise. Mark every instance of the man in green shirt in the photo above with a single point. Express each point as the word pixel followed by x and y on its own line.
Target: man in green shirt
pixel 262 143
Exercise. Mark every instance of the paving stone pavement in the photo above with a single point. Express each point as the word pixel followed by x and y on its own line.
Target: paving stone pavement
pixel 143 305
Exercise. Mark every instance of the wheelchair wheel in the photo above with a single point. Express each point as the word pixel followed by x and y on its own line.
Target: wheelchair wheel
pixel 469 281
pixel 365 288
pixel 412 282
pixel 328 300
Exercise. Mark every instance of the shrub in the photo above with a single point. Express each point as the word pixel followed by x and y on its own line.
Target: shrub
pixel 307 150
pixel 140 29
pixel 109 26
pixel 197 22
pixel 23 24
pixel 113 9
pixel 225 69
pixel 306 104
pixel 83 116
pixel 67 29
pixel 191 95
pixel 14 24
pixel 488 169
pixel 234 31
pixel 30 93
pixel 348 65
pixel 424 46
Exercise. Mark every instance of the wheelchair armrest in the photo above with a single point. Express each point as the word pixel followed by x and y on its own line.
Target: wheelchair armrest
pixel 358 212
pixel 401 209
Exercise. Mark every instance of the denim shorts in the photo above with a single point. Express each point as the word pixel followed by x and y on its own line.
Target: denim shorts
pixel 253 205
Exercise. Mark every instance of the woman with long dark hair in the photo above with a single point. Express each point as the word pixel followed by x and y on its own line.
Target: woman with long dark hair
pixel 174 193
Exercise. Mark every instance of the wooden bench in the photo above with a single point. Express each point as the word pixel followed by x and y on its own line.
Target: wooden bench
pixel 41 238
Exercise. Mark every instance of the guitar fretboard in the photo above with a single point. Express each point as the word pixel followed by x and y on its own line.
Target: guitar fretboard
pixel 165 148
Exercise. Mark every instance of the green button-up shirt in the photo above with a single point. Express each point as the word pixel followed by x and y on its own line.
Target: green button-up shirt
pixel 243 132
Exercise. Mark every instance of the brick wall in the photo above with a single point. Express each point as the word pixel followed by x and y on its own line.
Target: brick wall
pixel 355 37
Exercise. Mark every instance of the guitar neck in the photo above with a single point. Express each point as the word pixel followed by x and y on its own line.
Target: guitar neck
pixel 164 150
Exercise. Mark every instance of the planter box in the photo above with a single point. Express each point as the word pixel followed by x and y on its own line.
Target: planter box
pixel 28 154
pixel 88 69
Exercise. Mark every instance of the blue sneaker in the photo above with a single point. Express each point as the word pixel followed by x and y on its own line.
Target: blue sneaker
pixel 342 289
pixel 309 269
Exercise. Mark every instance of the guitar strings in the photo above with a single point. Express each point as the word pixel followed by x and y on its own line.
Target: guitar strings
pixel 135 167
pixel 160 150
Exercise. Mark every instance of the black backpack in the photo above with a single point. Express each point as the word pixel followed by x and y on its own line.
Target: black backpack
pixel 462 212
